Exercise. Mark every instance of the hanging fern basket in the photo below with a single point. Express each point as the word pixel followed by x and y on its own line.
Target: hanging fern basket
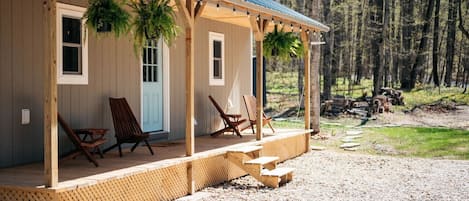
pixel 282 45
pixel 104 27
pixel 154 19
pixel 104 16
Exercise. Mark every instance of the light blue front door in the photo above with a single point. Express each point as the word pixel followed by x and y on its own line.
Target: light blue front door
pixel 152 87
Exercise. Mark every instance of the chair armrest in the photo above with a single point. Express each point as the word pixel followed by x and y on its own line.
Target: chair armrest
pixel 91 131
pixel 234 115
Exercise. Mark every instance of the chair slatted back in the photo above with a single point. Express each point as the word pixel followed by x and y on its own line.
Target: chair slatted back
pixel 72 135
pixel 219 109
pixel 126 125
pixel 250 102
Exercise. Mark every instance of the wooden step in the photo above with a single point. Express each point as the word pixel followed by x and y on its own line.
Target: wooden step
pixel 263 160
pixel 269 162
pixel 274 178
pixel 277 172
pixel 246 149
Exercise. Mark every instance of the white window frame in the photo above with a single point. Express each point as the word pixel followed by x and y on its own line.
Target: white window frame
pixel 71 79
pixel 212 36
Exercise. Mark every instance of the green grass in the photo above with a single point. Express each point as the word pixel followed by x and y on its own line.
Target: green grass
pixel 288 124
pixel 425 95
pixel 401 141
pixel 282 83
pixel 420 141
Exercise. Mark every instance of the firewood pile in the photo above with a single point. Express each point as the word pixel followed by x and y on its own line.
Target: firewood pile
pixel 364 106
pixel 394 96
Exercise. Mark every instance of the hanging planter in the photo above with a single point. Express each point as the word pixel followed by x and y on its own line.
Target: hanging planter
pixel 104 16
pixel 154 19
pixel 283 45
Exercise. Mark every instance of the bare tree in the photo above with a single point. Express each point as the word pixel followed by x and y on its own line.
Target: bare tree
pixel 436 35
pixel 376 29
pixel 417 67
pixel 407 30
pixel 450 41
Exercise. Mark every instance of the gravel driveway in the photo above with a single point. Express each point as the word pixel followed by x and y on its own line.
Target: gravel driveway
pixel 329 175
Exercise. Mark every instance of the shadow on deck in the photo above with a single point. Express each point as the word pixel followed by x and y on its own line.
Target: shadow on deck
pixel 209 157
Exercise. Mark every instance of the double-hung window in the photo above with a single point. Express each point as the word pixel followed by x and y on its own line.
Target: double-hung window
pixel 72 48
pixel 216 59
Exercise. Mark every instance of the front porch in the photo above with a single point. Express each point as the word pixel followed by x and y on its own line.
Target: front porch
pixel 141 176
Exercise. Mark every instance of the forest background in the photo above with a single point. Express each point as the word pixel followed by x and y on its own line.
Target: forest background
pixel 396 43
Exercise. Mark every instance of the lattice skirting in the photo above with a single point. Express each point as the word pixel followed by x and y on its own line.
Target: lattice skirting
pixel 165 183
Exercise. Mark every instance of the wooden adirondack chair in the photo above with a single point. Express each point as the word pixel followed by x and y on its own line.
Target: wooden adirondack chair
pixel 127 129
pixel 250 102
pixel 231 121
pixel 82 146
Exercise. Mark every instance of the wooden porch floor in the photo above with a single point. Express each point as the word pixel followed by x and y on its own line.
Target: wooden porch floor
pixel 166 153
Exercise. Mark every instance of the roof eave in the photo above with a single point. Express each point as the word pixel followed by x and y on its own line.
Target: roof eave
pixel 243 3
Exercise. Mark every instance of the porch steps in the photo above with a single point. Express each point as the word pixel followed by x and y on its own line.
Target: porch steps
pixel 263 168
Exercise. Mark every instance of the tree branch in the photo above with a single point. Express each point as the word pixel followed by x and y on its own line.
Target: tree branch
pixel 461 22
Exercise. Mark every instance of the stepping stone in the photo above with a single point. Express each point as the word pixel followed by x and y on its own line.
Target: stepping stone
pixel 317 148
pixel 353 137
pixel 351 149
pixel 332 124
pixel 354 132
pixel 349 145
pixel 346 140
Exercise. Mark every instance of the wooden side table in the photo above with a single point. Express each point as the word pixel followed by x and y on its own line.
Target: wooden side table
pixel 95 134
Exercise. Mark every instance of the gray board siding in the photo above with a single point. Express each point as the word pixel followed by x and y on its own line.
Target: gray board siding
pixel 114 71
pixel 237 80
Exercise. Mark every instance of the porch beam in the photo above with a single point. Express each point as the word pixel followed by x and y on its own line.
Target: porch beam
pixel 199 9
pixel 50 94
pixel 181 5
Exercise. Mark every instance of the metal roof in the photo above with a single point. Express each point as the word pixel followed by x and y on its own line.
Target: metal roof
pixel 282 9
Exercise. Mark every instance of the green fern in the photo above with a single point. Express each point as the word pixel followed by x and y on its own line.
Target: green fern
pixel 283 45
pixel 107 12
pixel 154 19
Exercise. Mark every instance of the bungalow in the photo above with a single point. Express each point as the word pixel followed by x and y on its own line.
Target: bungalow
pixel 44 70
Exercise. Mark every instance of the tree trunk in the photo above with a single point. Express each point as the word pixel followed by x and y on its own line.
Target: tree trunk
pixel 450 41
pixel 416 68
pixel 436 35
pixel 327 54
pixel 376 26
pixel 315 83
pixel 359 48
pixel 395 47
pixel 338 33
pixel 407 29
pixel 385 44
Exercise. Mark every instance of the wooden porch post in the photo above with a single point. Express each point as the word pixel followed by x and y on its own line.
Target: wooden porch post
pixel 258 27
pixel 307 94
pixel 189 91
pixel 50 94
pixel 190 11
pixel 307 63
